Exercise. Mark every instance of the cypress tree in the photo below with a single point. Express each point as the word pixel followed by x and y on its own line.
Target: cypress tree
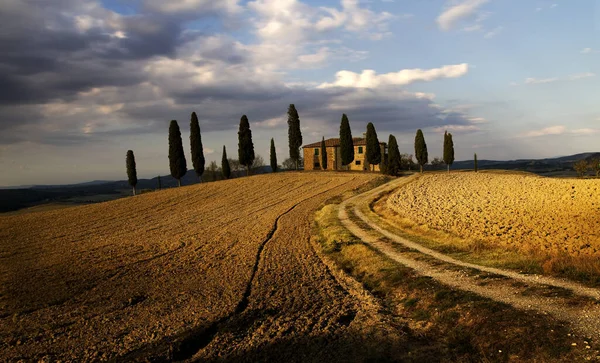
pixel 176 156
pixel 373 148
pixel 475 161
pixel 131 172
pixel 393 161
pixel 196 146
pixel 273 156
pixel 346 143
pixel 245 145
pixel 159 183
pixel 294 134
pixel 323 154
pixel 421 149
pixel 225 168
pixel 448 150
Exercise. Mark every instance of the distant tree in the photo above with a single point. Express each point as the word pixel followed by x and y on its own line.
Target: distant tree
pixel 225 165
pixel 196 146
pixel 373 147
pixel 437 161
pixel 288 164
pixel 273 156
pixel 394 158
pixel 212 171
pixel 383 167
pixel 581 167
pixel 323 154
pixel 258 163
pixel 448 150
pixel 245 145
pixel 294 134
pixel 176 156
pixel 595 166
pixel 346 143
pixel 421 149
pixel 131 171
pixel 159 183
pixel 475 160
pixel 234 164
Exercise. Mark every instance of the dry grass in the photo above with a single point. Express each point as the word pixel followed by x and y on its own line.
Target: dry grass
pixel 529 223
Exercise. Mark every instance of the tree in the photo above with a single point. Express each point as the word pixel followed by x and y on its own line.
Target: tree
pixel 196 146
pixel 289 164
pixel 176 156
pixel 212 171
pixel 421 149
pixel 245 145
pixel 323 154
pixel 373 147
pixel 273 156
pixel 159 183
pixel 225 165
pixel 581 167
pixel 131 171
pixel 437 162
pixel 294 134
pixel 346 143
pixel 475 160
pixel 595 165
pixel 258 163
pixel 393 162
pixel 234 164
pixel 448 150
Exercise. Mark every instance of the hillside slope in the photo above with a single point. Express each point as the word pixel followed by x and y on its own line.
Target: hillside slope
pixel 213 270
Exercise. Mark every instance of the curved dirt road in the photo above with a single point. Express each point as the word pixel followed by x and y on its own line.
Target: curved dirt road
pixel 585 316
pixel 213 271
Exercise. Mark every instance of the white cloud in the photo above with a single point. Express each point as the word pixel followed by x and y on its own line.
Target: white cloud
pixel 572 77
pixel 457 128
pixel 586 51
pixel 553 6
pixel 560 130
pixel 454 14
pixel 370 79
pixel 552 130
pixel 575 77
pixel 208 151
pixel 493 32
pixel 472 28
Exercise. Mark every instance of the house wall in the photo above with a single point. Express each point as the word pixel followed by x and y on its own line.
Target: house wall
pixel 334 160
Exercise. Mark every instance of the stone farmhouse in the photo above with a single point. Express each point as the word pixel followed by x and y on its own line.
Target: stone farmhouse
pixel 312 155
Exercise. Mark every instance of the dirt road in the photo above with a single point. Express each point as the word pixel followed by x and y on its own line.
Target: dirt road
pixel 497 284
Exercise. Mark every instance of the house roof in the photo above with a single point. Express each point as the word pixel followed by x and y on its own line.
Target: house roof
pixel 336 142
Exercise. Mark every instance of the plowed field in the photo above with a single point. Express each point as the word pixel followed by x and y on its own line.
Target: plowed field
pixel 214 271
pixel 527 213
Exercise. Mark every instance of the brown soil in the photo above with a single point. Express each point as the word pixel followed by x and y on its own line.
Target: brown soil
pixel 527 213
pixel 214 271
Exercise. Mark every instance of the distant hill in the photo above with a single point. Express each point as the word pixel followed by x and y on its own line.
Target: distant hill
pixel 539 166
pixel 15 198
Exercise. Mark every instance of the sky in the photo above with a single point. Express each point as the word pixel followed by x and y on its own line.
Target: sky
pixel 83 81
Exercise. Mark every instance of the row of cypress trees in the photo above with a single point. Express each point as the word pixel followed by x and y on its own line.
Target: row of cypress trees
pixel 246 155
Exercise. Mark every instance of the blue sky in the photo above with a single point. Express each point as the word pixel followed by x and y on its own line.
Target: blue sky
pixel 88 80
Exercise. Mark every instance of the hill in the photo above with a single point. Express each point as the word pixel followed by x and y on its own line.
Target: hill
pixel 217 271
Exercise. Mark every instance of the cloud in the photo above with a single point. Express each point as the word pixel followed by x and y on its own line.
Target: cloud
pixel 454 14
pixel 494 32
pixel 552 130
pixel 572 77
pixel 560 130
pixel 370 79
pixel 192 6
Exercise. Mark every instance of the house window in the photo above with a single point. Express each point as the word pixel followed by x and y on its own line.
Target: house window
pixel 317 165
pixel 316 151
pixel 357 162
pixel 360 151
